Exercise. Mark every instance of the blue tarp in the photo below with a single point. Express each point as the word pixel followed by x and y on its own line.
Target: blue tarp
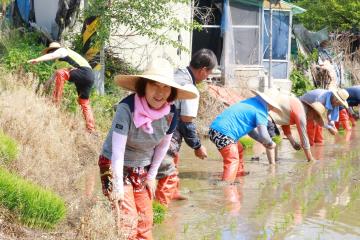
pixel 24 7
pixel 280 43
pixel 280 35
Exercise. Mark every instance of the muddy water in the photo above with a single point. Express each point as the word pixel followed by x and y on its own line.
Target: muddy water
pixel 291 200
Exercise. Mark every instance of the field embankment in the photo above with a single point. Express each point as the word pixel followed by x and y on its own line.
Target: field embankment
pixel 56 153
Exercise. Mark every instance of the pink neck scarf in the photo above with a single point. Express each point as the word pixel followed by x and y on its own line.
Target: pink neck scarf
pixel 144 115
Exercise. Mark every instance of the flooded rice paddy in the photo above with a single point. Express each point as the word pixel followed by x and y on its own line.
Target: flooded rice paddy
pixel 291 200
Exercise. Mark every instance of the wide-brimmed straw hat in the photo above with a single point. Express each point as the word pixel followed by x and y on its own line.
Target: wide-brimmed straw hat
pixel 159 70
pixel 53 45
pixel 268 100
pixel 341 95
pixel 319 109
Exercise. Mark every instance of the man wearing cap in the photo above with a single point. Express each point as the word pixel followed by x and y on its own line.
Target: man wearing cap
pixel 201 65
pixel 331 100
pixel 293 111
pixel 250 117
pixel 80 74
pixel 348 115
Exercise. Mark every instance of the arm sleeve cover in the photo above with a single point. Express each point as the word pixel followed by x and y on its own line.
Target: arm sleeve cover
pixel 60 53
pixel 117 161
pixel 261 134
pixel 159 154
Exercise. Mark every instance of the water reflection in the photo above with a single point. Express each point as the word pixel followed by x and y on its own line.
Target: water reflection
pixel 233 198
pixel 290 200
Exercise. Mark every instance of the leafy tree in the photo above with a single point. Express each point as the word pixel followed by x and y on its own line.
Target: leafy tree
pixel 334 14
pixel 300 82
pixel 140 17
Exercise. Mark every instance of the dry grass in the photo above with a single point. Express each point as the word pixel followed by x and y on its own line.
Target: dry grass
pixel 98 223
pixel 209 108
pixel 341 45
pixel 57 153
pixel 54 147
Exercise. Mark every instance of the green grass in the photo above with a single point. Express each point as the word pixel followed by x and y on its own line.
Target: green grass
pixel 247 142
pixel 159 212
pixel 35 206
pixel 8 148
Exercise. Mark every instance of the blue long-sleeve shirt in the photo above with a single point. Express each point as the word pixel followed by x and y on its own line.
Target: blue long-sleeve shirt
pixel 324 97
pixel 354 95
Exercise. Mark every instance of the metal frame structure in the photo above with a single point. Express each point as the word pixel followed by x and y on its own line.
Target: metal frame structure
pixel 287 60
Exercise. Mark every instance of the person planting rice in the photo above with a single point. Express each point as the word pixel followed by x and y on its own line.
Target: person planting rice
pixel 296 112
pixel 80 73
pixel 250 117
pixel 137 143
pixel 347 115
pixel 331 100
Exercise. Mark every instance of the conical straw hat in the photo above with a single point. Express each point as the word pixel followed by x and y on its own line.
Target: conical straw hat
pixel 159 70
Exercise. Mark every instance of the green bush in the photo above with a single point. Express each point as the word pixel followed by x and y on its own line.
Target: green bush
pixel 114 66
pixel 247 142
pixel 103 106
pixel 35 206
pixel 18 48
pixel 8 148
pixel 300 83
pixel 159 212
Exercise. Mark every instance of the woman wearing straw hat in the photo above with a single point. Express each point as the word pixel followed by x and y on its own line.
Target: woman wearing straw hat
pixel 138 140
pixel 348 115
pixel 80 74
pixel 295 112
pixel 246 117
pixel 331 100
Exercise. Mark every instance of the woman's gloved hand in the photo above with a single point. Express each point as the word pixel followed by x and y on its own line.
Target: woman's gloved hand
pixel 105 176
pixel 296 146
pixel 117 200
pixel 117 197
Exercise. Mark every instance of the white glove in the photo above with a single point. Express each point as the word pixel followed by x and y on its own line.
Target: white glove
pixel 117 196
